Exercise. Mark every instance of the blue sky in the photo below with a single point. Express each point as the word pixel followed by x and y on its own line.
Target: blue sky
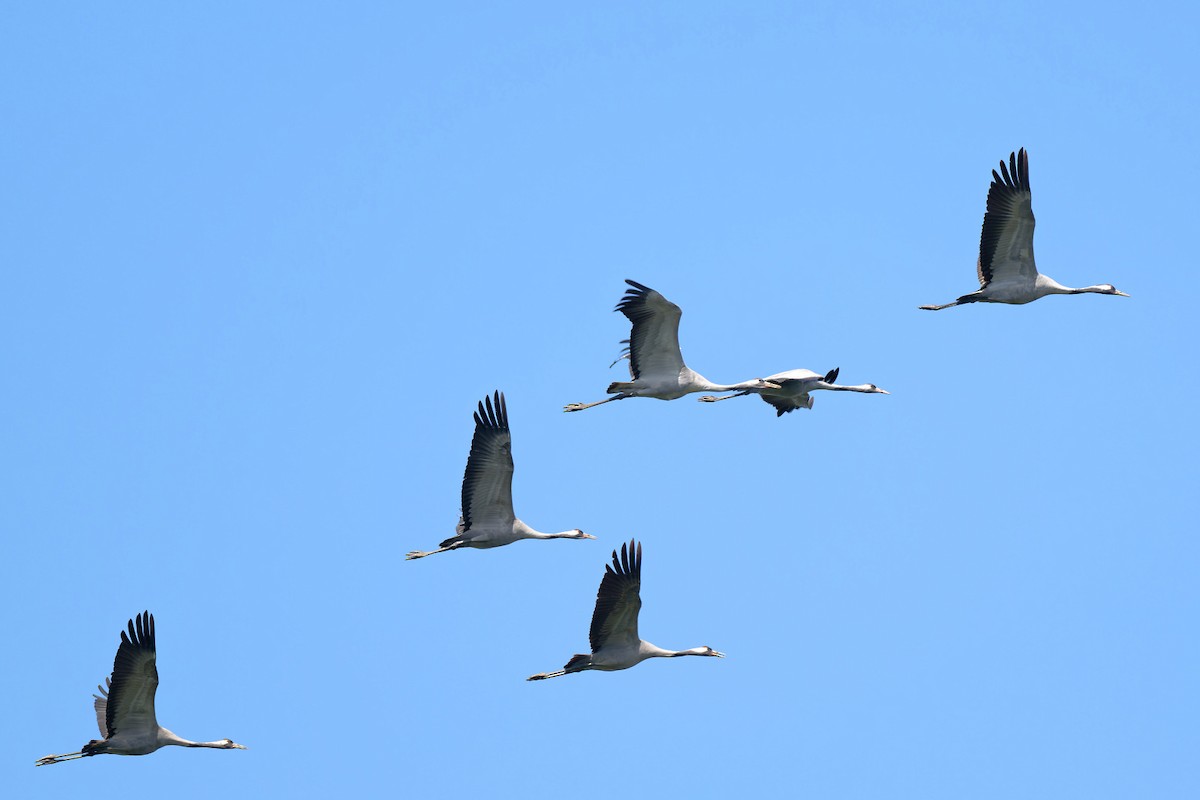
pixel 263 261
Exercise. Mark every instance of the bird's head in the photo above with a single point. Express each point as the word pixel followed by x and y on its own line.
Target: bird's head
pixel 708 651
pixel 230 744
pixel 873 389
pixel 578 534
pixel 1108 288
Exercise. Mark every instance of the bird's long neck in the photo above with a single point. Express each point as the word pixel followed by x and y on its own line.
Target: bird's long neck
pixel 654 651
pixel 695 651
pixel 833 387
pixel 166 737
pixel 559 535
pixel 1089 290
pixel 527 532
pixel 1047 285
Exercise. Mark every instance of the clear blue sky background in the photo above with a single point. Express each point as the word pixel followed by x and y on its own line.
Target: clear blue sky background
pixel 261 261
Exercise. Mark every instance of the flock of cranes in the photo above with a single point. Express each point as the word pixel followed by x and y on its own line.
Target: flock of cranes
pixel 1007 274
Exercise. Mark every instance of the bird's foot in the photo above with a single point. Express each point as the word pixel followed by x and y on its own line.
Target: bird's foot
pixel 414 554
pixel 708 398
pixel 574 407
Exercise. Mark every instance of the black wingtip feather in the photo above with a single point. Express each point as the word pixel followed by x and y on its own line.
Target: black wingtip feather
pixel 491 415
pixel 1015 173
pixel 627 560
pixel 632 297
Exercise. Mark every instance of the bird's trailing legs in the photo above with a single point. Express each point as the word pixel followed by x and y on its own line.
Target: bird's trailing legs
pixel 973 297
pixel 582 406
pixel 44 760
pixel 420 554
pixel 541 676
pixel 713 398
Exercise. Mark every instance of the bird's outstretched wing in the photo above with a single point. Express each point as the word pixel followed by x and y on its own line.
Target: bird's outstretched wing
pixel 487 482
pixel 615 620
pixel 130 704
pixel 785 404
pixel 791 395
pixel 1006 242
pixel 654 340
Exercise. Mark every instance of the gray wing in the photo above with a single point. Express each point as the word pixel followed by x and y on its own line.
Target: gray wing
pixel 793 393
pixel 654 340
pixel 130 704
pixel 101 706
pixel 487 482
pixel 785 404
pixel 1006 242
pixel 615 620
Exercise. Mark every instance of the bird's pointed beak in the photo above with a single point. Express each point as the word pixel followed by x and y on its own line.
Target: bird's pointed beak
pixel 718 654
pixel 237 746
pixel 588 536
pixel 1121 293
pixel 883 391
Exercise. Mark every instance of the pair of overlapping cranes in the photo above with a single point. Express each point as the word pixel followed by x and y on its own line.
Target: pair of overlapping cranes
pixel 1007 274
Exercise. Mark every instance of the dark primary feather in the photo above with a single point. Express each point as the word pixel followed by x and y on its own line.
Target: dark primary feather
pixel 1008 196
pixel 618 600
pixel 487 481
pixel 782 405
pixel 134 675
pixel 655 327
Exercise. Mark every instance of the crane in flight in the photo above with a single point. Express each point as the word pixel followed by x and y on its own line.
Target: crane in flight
pixel 1006 270
pixel 655 361
pixel 487 518
pixel 125 712
pixel 614 631
pixel 794 387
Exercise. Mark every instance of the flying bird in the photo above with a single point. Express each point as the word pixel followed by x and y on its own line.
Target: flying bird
pixel 794 387
pixel 125 712
pixel 655 361
pixel 614 632
pixel 487 510
pixel 1007 273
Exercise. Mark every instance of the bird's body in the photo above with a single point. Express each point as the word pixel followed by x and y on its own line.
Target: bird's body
pixel 125 710
pixel 656 367
pixel 487 518
pixel 794 388
pixel 1006 269
pixel 614 631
